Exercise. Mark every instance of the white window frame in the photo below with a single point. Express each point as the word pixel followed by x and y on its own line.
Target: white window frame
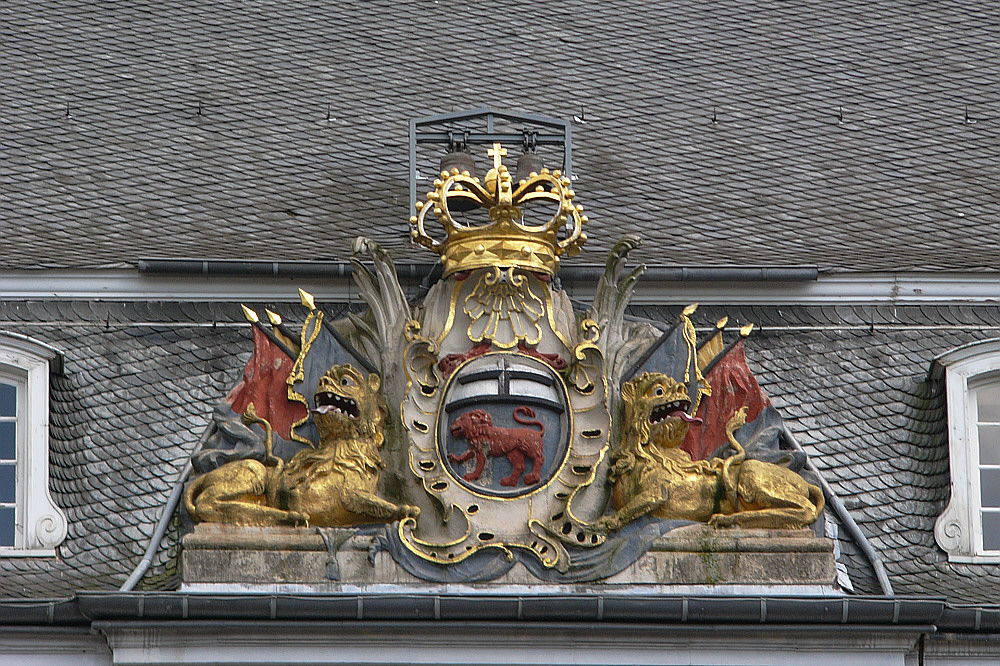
pixel 40 525
pixel 958 529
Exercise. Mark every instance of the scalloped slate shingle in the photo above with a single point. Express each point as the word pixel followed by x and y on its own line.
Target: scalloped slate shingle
pixel 138 387
pixel 845 134
pixel 255 130
pixel 859 399
pixel 137 393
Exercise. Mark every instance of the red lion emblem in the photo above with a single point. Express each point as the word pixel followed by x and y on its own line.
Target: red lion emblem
pixel 476 427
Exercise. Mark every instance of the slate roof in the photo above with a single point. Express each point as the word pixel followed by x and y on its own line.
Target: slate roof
pixel 853 384
pixel 140 382
pixel 851 135
pixel 125 414
pixel 845 134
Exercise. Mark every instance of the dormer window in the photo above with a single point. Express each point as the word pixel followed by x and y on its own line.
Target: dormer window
pixel 969 528
pixel 30 522
pixel 11 431
pixel 985 459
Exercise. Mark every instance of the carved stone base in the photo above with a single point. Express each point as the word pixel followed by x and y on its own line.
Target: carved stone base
pixel 220 556
pixel 702 555
pixel 275 555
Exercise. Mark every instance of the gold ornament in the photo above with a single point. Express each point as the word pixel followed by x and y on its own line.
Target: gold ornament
pixel 506 241
pixel 653 475
pixel 333 485
pixel 503 309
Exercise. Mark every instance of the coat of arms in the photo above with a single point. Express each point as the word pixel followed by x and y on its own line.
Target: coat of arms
pixel 495 422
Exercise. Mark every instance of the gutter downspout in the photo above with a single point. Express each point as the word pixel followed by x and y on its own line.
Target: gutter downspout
pixel 845 517
pixel 168 511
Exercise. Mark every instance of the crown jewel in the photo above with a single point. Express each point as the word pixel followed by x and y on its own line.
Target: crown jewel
pixel 506 240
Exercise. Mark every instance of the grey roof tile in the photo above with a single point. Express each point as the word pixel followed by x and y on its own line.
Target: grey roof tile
pixel 859 400
pixel 136 171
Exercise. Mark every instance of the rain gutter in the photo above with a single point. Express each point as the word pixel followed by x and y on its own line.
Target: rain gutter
pixel 572 609
pixel 661 285
pixel 417 271
pixel 500 607
pixel 60 612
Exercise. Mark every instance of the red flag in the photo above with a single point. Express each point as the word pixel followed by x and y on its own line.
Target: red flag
pixel 264 385
pixel 733 386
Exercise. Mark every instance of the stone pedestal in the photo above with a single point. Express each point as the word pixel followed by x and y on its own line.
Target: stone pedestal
pixel 703 555
pixel 693 559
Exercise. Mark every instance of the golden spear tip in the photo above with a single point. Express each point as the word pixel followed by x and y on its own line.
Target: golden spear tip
pixel 689 310
pixel 307 299
pixel 250 315
pixel 721 324
pixel 745 331
pixel 273 317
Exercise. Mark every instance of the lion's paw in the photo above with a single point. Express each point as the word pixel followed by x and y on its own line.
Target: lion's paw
pixel 297 519
pixel 722 520
pixel 605 525
pixel 408 511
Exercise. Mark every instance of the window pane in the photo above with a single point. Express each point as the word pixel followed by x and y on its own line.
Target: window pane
pixel 8 400
pixel 989 403
pixel 7 481
pixel 989 445
pixel 990 487
pixel 991 531
pixel 6 526
pixel 8 431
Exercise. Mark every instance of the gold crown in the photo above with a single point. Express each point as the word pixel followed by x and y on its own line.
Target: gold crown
pixel 506 241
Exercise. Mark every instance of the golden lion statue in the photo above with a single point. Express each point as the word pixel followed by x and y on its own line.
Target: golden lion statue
pixel 333 485
pixel 653 475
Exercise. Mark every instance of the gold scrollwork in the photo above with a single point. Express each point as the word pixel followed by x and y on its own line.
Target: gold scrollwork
pixel 551 553
pixel 504 309
pixel 420 357
pixel 585 370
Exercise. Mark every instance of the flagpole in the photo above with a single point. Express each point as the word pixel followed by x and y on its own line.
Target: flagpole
pixel 744 334
pixel 308 301
pixel 255 320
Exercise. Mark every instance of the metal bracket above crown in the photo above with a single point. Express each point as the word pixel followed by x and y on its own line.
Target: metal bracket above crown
pixel 506 240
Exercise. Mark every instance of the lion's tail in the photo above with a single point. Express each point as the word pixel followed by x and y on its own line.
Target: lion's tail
pixel 817 498
pixel 530 420
pixel 192 492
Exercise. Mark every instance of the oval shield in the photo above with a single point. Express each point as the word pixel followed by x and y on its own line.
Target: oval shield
pixel 504 427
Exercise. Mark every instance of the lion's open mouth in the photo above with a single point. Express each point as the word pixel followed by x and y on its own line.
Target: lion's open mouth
pixel 331 402
pixel 674 409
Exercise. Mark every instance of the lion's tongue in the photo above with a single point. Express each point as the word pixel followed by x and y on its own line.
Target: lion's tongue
pixel 323 409
pixel 684 416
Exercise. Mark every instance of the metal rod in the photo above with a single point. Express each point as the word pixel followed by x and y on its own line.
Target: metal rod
pixel 568 152
pixel 725 352
pixel 487 112
pixel 274 340
pixel 168 512
pixel 846 518
pixel 486 138
pixel 413 166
